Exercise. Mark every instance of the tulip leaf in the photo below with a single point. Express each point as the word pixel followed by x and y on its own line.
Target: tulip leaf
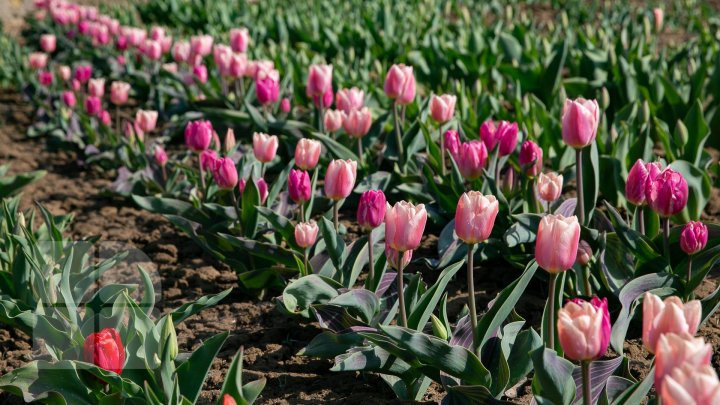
pixel 192 373
pixel 698 131
pixel 249 214
pixel 281 225
pixel 11 185
pixel 334 244
pixel 300 294
pixel 638 391
pixel 600 372
pixel 553 383
pixel 428 302
pixel 233 385
pixel 191 308
pixel 470 394
pixel 526 342
pixel 524 230
pixel 329 344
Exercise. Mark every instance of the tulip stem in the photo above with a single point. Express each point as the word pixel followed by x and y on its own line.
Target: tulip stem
pixel 398 136
pixel 442 151
pixel 497 173
pixel 306 272
pixel 689 277
pixel 235 204
pixel 587 393
pixel 551 311
pixel 666 238
pixel 238 93
pixel 360 151
pixel 302 211
pixel 202 181
pixel 321 117
pixel 580 208
pixel 336 208
pixel 371 262
pixel 641 219
pixel 471 298
pixel 401 292
pixel 586 276
pixel 164 174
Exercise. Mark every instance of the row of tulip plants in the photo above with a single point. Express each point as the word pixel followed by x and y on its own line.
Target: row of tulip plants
pixel 490 167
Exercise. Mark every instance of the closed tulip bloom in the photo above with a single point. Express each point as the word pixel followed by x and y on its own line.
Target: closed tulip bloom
pixel 394 259
pixel 264 146
pixel 38 60
pixel 340 178
pixel 677 350
pixel 325 100
pixel 400 84
pixel 471 158
pixel 371 209
pixel 580 121
pixel 160 156
pixel 119 92
pixel 48 43
pixel 404 225
pixel 146 119
pixel 93 106
pixel 693 237
pixel 306 234
pixel 319 80
pixel 667 193
pixel 228 400
pixel 181 51
pixel 333 120
pixel 299 186
pixel 357 123
pixel 105 350
pixel 659 16
pixel 200 73
pixel 105 117
pixel 475 217
pixel 201 45
pixel 198 135
pixel 267 86
pixel 83 73
pixel 307 153
pixel 285 105
pixel 584 329
pixel 557 241
pixel 208 158
pixel 638 180
pixel 688 385
pixel 452 142
pixel 488 134
pixel 239 39
pixel 549 186
pixel 222 55
pixel 45 78
pixel 256 66
pixel 584 254
pixel 507 182
pixel 152 49
pixel 64 72
pixel 238 65
pixel 96 87
pixel 506 133
pixel 68 98
pixel 229 140
pixel 531 158
pixel 225 173
pixel 262 187
pixel 669 316
pixel 157 33
pixel 442 107
pixel 349 99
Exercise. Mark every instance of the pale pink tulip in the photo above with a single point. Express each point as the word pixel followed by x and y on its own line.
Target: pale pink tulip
pixel 349 99
pixel 357 123
pixel 475 217
pixel 319 80
pixel 340 178
pixel 400 84
pixel 689 385
pixel 549 186
pixel 584 329
pixel 404 225
pixel 146 119
pixel 307 153
pixel 676 350
pixel 669 316
pixel 264 147
pixel 333 120
pixel 306 234
pixel 442 107
pixel 557 242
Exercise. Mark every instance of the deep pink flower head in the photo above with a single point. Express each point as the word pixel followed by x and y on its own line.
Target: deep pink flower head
pixel 669 316
pixel 531 158
pixel 488 134
pixel 306 234
pixel 340 178
pixel 580 121
pixel 225 173
pixel 261 186
pixel 678 350
pixel 475 217
pixel 157 33
pixel 371 209
pixel 105 118
pixel 285 105
pixel 299 187
pixel 667 193
pixel 325 100
pixel 264 146
pixel 452 142
pixel 471 159
pixel 307 153
pixel 404 225
pixel 68 98
pixel 198 135
pixel 319 80
pixel 45 77
pixel 200 73
pixel 160 156
pixel 442 108
pixel 121 43
pixel 208 158
pixel 394 260
pixel 506 133
pixel 400 84
pixel 93 106
pixel 638 180
pixel 239 39
pixel 347 100
pixel 357 123
pixel 557 242
pixel 83 73
pixel 267 86
pixel 584 328
pixel 694 237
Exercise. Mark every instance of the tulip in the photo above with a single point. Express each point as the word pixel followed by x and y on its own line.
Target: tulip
pixel 584 255
pixel 319 80
pixel 83 73
pixel 333 120
pixel 299 187
pixel 264 147
pixel 64 72
pixel 636 186
pixel 357 123
pixel 404 227
pixel 229 141
pixel 325 100
pixel 146 119
pixel 45 78
pixel 228 400
pixel 267 86
pixel 48 43
pixel 347 100
pixel 285 105
pixel 238 65
pixel 307 153
pixel 669 316
pixel 38 60
pixel 395 260
pixel 105 350
pixel 399 86
pixel 207 160
pixel 659 16
pixel 507 182
pixel 225 173
pixel 119 93
pixel 667 194
pixel 239 39
pixel 678 350
pixel 506 134
pixel 474 220
pixel 693 239
pixel 452 142
pixel 132 132
pixel 200 73
pixel 105 118
pixel 198 135
pixel 488 134
pixel 257 66
pixel 471 158
pixel 157 33
pixel 340 179
pixel 160 156
pixel 201 45
pixel 93 106
pixel 68 98
pixel 96 87
pixel 549 187
pixel 152 49
pixel 442 108
pixel 370 214
pixel 181 51
pixel 306 233
pixel 687 385
pixel 222 55
pixel 531 158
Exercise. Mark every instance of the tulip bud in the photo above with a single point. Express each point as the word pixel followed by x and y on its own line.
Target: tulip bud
pixel 646 115
pixel 638 179
pixel 471 159
pixel 394 258
pixel 200 73
pixel 225 173
pixel 38 60
pixel 506 134
pixel 531 158
pixel 557 241
pixel 357 123
pixel 347 100
pixel 208 158
pixel 676 350
pixel 299 187
pixel 680 135
pixel 285 105
pixel 667 193
pixel 262 187
pixel 267 86
pixel 325 100
pixel 693 237
pixel 96 87
pixel 333 120
pixel 319 80
pixel 475 217
pixel 452 142
pixel 442 108
pixel 584 329
pixel 584 254
pixel 400 84
pixel 168 337
pixel 306 233
pixel 371 209
pixel 264 147
pixel 669 316
pixel 160 156
pixel 239 39
pixel 580 120
pixel 93 106
pixel 105 118
pixel 340 179
pixel 507 182
pixel 549 186
pixel 228 400
pixel 307 153
pixel 404 225
pixel 229 140
pixel 119 92
pixel 45 78
pixel 48 43
pixel 605 98
pixel 68 98
pixel 659 16
pixel 64 72
pixel 438 328
pixel 488 134
pixel 105 350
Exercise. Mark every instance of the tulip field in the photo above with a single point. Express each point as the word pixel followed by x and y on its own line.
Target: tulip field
pixel 361 201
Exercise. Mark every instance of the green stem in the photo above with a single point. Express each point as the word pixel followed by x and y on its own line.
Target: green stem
pixel 371 262
pixel 336 208
pixel 302 211
pixel 689 277
pixel 551 312
pixel 442 150
pixel 401 292
pixel 306 272
pixel 666 238
pixel 321 117
pixel 641 219
pixel 398 136
pixel 587 393
pixel 580 207
pixel 471 298
pixel 235 204
pixel 202 181
pixel 586 277
pixel 360 152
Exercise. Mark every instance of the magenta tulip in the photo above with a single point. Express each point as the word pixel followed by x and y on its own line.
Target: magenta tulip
pixel 371 209
pixel 239 39
pixel 160 156
pixel 452 142
pixel 198 135
pixel 488 134
pixel 267 86
pixel 93 106
pixel 694 237
pixel 667 193
pixel 68 98
pixel 506 134
pixel 208 158
pixel 285 105
pixel 531 158
pixel 471 159
pixel 299 187
pixel 638 179
pixel 225 173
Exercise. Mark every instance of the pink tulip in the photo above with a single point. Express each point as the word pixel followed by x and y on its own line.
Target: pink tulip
pixel 371 209
pixel 340 179
pixel 83 73
pixel 45 77
pixel 157 33
pixel 198 135
pixel 166 44
pixel 347 100
pixel 584 329
pixel 319 80
pixel 333 120
pixel 105 118
pixel 152 49
pixel 48 42
pixel 442 108
pixel 267 86
pixel 181 51
pixel 146 119
pixel 531 158
pixel 357 123
pixel 694 237
pixel 475 217
pixel 225 173
pixel 638 180
pixel 201 45
pixel 200 73
pixel 38 60
pixel 93 106
pixel 325 100
pixel 306 234
pixel 160 156
pixel 580 121
pixel 688 385
pixel 121 43
pixel 488 134
pixel 256 66
pixel 68 98
pixel 584 254
pixel 132 132
pixel 471 158
pixel 64 72
pixel 669 316
pixel 229 140
pixel 549 186
pixel 208 158
pixel 557 241
pixel 96 87
pixel 222 55
pixel 119 92
pixel 452 142
pixel 307 153
pixel 170 67
pixel 404 225
pixel 285 105
pixel 677 350
pixel 400 84
pixel 299 187
pixel 264 147
pixel 667 193
pixel 76 86
pixel 239 39
pixel 393 257
pixel 659 16
pixel 507 182
pixel 238 65
pixel 506 133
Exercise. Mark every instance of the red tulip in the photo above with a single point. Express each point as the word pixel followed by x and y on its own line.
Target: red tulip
pixel 105 350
